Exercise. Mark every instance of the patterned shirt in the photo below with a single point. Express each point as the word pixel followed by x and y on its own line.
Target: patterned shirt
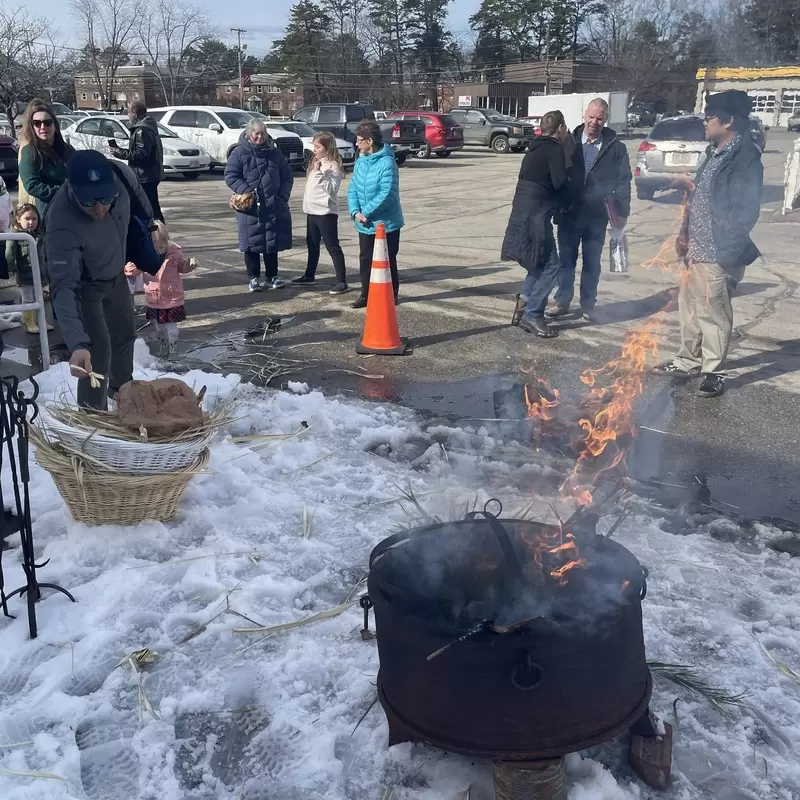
pixel 591 151
pixel 701 237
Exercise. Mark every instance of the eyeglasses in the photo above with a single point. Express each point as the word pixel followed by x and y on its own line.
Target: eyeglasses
pixel 361 139
pixel 103 201
pixel 39 123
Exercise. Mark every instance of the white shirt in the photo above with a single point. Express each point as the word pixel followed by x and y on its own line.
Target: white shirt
pixel 321 195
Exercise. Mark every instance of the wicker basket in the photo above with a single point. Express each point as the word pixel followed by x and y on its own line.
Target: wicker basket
pixel 99 497
pixel 145 458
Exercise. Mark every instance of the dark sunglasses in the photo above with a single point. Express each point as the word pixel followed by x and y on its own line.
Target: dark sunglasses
pixel 38 123
pixel 103 201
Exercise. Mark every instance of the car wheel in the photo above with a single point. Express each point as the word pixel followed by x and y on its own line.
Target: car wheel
pixel 400 158
pixel 500 144
pixel 191 176
pixel 444 154
pixel 425 151
pixel 645 194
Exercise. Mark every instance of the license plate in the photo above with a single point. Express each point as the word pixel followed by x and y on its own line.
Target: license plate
pixel 194 163
pixel 683 158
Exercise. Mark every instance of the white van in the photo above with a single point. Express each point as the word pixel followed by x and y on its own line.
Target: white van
pixel 217 129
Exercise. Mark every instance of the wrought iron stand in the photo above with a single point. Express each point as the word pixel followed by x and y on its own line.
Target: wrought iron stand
pixel 14 457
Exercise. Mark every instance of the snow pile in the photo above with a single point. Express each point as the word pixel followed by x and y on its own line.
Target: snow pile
pixel 283 528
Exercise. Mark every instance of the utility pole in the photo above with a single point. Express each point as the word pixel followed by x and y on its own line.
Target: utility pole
pixel 239 32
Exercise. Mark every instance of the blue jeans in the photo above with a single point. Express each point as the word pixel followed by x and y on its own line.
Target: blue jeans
pixel 538 284
pixel 590 236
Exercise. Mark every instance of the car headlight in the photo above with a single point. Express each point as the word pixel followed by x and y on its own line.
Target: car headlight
pixel 517 131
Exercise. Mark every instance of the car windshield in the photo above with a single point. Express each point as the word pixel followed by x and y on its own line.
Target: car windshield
pixel 494 116
pixel 683 129
pixel 300 128
pixel 235 119
pixel 164 133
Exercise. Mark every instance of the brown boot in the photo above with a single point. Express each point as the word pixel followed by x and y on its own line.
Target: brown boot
pixel 29 321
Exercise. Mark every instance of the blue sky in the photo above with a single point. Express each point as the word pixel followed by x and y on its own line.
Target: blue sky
pixel 264 21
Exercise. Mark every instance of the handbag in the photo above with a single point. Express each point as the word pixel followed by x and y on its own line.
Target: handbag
pixel 139 247
pixel 242 202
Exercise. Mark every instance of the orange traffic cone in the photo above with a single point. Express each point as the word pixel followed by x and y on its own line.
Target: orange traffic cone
pixel 381 334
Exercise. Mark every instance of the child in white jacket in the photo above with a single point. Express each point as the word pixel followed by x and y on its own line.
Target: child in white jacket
pixel 321 204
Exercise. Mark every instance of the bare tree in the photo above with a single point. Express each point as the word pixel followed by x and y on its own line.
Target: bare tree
pixel 30 61
pixel 168 32
pixel 108 26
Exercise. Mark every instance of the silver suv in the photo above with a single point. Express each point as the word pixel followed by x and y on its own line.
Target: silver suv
pixel 676 146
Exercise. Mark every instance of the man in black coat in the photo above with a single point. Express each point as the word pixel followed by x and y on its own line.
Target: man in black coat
pixel 714 243
pixel 601 170
pixel 144 154
pixel 529 239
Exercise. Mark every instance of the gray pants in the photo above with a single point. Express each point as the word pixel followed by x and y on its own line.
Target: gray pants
pixel 106 309
pixel 706 317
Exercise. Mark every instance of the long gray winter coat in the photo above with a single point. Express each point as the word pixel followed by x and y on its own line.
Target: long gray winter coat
pixel 266 227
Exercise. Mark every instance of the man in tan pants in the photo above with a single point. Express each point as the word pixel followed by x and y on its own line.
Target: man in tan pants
pixel 715 244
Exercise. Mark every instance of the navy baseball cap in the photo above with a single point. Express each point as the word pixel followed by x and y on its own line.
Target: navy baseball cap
pixel 91 177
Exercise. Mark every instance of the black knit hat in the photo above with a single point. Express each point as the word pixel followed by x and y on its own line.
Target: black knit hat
pixel 733 103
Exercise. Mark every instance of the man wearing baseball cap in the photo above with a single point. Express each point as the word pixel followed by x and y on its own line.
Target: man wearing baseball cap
pixel 714 243
pixel 85 243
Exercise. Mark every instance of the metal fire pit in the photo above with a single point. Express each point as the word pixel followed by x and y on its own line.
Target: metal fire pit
pixel 573 676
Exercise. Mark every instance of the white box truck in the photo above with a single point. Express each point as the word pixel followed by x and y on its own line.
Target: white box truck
pixel 573 106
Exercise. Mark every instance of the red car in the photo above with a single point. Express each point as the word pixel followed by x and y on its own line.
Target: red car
pixel 443 135
pixel 535 121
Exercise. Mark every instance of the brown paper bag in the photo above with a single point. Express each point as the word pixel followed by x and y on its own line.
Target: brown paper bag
pixel 162 407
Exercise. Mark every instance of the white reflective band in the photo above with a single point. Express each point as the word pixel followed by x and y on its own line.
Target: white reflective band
pixel 380 252
pixel 380 275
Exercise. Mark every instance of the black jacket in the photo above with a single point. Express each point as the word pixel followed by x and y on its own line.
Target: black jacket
pixel 609 177
pixel 735 204
pixel 144 153
pixel 541 191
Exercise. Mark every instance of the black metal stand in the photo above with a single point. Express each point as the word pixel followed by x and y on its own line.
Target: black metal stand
pixel 14 432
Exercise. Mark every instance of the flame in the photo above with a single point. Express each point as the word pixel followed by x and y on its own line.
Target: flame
pixel 555 555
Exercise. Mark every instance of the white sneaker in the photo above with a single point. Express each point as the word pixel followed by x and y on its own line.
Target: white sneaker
pixel 255 285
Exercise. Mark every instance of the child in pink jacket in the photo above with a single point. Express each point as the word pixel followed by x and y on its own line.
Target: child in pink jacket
pixel 164 291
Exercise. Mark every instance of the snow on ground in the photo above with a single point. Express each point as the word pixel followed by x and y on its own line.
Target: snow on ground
pixel 240 717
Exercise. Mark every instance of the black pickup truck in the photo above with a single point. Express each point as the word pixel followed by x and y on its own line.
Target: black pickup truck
pixel 406 137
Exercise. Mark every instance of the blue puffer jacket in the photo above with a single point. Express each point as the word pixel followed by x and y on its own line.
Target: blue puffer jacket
pixel 375 192
pixel 266 227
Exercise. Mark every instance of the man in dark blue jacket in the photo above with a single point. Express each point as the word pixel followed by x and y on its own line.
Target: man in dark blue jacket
pixel 714 243
pixel 601 170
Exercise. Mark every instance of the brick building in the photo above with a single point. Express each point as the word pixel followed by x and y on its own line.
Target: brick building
pixel 271 94
pixel 129 84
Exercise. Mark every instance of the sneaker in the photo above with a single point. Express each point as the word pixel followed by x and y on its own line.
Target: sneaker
pixel 360 303
pixel 304 279
pixel 340 288
pixel 711 386
pixel 671 368
pixel 272 283
pixel 538 327
pixel 254 285
pixel 588 315
pixel 555 311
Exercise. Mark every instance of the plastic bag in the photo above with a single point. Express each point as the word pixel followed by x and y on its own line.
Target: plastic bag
pixel 162 407
pixel 618 251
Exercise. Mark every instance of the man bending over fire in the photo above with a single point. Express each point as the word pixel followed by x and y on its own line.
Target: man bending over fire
pixel 714 243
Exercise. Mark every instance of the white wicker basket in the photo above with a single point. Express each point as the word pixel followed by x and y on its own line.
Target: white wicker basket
pixel 121 455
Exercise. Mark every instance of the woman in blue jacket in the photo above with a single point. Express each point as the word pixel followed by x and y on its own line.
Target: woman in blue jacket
pixel 265 228
pixel 373 197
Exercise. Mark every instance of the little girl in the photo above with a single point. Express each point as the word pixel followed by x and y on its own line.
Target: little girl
pixel 25 219
pixel 164 291
pixel 321 204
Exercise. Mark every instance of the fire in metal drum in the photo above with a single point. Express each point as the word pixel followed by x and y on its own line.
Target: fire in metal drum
pixel 570 674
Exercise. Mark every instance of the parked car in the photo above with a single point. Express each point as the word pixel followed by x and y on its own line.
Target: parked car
pixel 442 134
pixel 180 156
pixel 9 166
pixel 487 127
pixel 405 136
pixel 66 121
pixel 759 132
pixel 641 115
pixel 794 122
pixel 675 146
pixel 217 130
pixel 87 112
pixel 341 119
pixel 536 121
pixel 380 114
pixel 307 133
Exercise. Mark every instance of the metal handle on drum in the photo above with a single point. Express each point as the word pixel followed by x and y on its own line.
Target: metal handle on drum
pixel 645 576
pixel 503 539
pixel 530 666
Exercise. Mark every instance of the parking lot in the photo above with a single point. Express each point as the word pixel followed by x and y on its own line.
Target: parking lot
pixel 456 302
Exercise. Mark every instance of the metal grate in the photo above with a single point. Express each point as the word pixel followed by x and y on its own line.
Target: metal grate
pixel 289 144
pixel 188 152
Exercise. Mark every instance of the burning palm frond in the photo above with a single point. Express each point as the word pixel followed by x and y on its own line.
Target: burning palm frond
pixel 687 677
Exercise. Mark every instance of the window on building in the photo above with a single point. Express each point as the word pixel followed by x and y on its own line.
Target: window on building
pixel 292 90
pixel 248 89
pixel 790 103
pixel 763 102
pixel 229 89
pixel 83 96
pixel 273 89
pixel 275 105
pixel 95 95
